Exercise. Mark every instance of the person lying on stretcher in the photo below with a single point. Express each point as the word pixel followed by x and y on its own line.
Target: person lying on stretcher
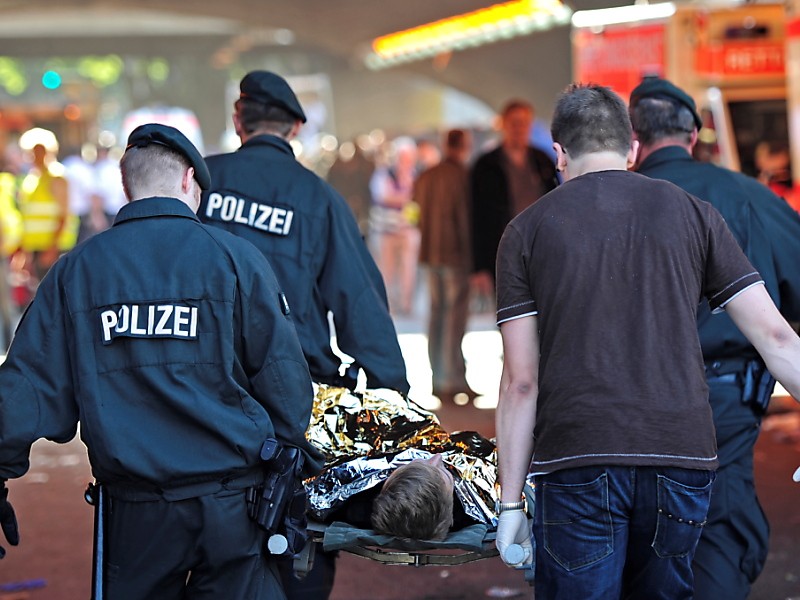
pixel 416 501
pixel 391 467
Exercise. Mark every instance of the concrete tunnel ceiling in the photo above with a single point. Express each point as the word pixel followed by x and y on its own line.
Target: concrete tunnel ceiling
pixel 536 66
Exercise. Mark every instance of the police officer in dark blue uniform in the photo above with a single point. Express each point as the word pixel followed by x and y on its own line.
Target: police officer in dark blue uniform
pixel 261 193
pixel 305 228
pixel 172 344
pixel 734 543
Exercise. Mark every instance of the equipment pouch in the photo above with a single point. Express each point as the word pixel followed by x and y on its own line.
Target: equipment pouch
pixel 758 385
pixel 279 506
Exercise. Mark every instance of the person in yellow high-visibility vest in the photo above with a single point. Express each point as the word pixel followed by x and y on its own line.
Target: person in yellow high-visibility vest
pixel 47 229
pixel 10 237
pixel 10 219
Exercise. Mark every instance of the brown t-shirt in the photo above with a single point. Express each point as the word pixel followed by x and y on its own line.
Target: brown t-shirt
pixel 614 265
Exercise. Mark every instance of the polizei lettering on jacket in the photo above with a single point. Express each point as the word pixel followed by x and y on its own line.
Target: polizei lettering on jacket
pixel 149 321
pixel 263 217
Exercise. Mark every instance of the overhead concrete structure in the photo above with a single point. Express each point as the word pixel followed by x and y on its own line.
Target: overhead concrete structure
pixel 214 42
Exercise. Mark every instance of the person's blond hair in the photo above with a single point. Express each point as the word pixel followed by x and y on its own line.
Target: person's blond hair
pixel 415 503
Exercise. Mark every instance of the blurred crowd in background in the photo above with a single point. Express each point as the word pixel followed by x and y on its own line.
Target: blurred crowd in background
pixel 53 196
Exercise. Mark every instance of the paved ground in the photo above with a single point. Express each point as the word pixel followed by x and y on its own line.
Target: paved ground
pixel 53 561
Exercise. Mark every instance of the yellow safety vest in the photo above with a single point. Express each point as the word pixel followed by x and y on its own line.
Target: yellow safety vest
pixel 10 219
pixel 41 214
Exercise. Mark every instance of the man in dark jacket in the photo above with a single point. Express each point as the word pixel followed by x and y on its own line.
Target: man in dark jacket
pixel 734 543
pixel 504 182
pixel 171 343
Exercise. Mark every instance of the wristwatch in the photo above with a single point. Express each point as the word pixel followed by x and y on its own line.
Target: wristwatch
pixel 500 507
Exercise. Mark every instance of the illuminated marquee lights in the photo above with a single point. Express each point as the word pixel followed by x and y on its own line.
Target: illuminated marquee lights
pixel 623 14
pixel 484 26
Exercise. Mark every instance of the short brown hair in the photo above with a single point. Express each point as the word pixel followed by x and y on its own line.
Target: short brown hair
pixel 456 139
pixel 256 116
pixel 415 503
pixel 515 104
pixel 591 118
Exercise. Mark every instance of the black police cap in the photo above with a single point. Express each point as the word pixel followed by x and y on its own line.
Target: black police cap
pixel 164 135
pixel 655 87
pixel 271 89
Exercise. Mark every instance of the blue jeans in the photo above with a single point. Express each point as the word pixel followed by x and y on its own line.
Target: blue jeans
pixel 618 532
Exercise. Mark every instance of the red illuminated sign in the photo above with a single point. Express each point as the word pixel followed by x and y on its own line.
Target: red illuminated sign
pixel 741 58
pixel 619 57
pixel 793 28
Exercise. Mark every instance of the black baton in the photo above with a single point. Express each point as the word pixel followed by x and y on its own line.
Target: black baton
pixel 95 496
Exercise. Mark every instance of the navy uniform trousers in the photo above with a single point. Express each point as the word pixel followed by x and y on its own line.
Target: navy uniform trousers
pixel 734 544
pixel 147 553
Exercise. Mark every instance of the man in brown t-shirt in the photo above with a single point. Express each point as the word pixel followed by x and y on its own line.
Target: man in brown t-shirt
pixel 598 285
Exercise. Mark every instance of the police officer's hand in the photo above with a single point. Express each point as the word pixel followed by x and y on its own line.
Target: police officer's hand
pixel 8 520
pixel 514 538
pixel 796 475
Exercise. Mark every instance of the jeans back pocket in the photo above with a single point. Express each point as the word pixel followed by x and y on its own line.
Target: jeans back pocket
pixel 576 522
pixel 682 512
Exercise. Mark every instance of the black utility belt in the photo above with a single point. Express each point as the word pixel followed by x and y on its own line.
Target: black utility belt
pixel 727 366
pixel 728 378
pixel 750 374
pixel 148 493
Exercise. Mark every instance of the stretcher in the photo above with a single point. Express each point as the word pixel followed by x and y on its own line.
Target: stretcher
pixel 469 544
pixel 458 548
pixel 364 436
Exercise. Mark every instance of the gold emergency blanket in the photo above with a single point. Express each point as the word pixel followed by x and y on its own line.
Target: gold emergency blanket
pixel 366 435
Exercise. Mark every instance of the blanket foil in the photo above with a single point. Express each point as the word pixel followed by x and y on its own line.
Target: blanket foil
pixel 366 435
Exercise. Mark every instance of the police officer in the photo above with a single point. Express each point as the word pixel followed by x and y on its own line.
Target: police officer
pixel 172 344
pixel 305 228
pixel 261 193
pixel 734 543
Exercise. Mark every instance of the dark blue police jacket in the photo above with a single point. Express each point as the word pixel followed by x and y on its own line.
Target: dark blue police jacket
pixel 766 227
pixel 309 234
pixel 168 341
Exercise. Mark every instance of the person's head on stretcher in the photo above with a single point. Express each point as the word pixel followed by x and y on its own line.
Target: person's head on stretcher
pixel 416 501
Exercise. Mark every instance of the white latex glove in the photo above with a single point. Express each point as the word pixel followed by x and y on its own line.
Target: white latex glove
pixel 513 532
pixel 796 475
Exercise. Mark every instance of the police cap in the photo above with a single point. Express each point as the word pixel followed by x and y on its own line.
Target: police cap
pixel 271 89
pixel 655 87
pixel 164 135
